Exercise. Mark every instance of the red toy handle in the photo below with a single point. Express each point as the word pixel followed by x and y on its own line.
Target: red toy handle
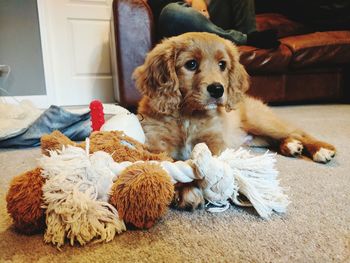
pixel 97 115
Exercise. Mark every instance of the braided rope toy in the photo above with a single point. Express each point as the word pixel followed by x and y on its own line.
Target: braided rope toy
pixel 75 171
pixel 227 176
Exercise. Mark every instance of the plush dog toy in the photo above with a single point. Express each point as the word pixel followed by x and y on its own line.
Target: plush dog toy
pixel 25 198
pixel 89 191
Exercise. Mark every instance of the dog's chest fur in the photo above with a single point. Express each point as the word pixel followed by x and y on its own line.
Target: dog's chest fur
pixel 178 136
pixel 190 131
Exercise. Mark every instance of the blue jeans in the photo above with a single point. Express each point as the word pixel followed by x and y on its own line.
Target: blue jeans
pixel 75 126
pixel 230 19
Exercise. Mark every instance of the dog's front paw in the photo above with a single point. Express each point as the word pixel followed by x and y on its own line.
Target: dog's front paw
pixel 323 155
pixel 319 151
pixel 291 147
pixel 188 197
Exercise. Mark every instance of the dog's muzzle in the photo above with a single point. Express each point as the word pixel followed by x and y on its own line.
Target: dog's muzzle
pixel 216 90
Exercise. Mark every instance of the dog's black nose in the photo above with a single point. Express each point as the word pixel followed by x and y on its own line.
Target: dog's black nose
pixel 216 90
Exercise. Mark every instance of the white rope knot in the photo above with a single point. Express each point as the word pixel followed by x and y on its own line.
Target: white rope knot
pixel 238 172
pixel 219 183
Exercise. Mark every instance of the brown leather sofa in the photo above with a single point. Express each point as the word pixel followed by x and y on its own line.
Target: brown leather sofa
pixel 307 67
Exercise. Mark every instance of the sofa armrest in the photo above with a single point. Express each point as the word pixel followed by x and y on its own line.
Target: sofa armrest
pixel 133 32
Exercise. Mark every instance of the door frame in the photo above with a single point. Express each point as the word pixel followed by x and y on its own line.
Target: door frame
pixel 46 39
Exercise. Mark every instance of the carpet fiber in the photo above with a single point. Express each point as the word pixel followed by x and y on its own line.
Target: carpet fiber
pixel 316 227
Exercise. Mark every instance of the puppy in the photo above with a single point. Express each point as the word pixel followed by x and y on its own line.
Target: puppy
pixel 193 91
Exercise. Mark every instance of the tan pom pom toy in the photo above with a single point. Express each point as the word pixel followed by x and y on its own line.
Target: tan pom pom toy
pixel 24 200
pixel 142 210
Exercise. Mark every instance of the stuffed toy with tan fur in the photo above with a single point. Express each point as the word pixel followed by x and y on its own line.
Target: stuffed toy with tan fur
pixel 135 204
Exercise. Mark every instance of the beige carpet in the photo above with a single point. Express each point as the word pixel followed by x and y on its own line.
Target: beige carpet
pixel 316 227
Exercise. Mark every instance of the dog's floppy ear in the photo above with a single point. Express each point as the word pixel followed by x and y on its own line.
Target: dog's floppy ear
pixel 238 78
pixel 157 78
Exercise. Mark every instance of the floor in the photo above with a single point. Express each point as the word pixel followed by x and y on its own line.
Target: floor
pixel 316 227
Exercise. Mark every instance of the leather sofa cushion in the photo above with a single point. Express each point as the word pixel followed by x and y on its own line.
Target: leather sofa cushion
pixel 331 47
pixel 284 26
pixel 302 85
pixel 265 60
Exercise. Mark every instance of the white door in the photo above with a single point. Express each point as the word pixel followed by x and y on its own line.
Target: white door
pixel 76 50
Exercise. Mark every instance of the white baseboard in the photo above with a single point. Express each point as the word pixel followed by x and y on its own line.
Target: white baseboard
pixel 40 101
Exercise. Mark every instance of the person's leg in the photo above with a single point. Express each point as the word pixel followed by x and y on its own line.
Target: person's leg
pixel 179 18
pixel 240 15
pixel 234 14
pixel 243 15
pixel 220 12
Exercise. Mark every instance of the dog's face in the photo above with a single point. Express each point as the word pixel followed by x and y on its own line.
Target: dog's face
pixel 192 72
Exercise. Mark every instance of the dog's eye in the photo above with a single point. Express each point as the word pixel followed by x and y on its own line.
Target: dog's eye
pixel 191 65
pixel 222 65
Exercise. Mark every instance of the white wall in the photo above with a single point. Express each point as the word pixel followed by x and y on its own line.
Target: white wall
pixel 20 48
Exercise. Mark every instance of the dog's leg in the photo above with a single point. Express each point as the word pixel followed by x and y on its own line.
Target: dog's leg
pixel 213 140
pixel 319 151
pixel 188 196
pixel 259 120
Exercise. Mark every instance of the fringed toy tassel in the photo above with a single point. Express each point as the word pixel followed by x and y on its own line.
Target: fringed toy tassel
pixel 74 207
pixel 256 178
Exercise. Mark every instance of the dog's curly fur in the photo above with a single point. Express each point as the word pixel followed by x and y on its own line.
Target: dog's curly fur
pixel 179 110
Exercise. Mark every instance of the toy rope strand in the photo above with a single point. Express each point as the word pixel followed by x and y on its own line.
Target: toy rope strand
pixel 180 171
